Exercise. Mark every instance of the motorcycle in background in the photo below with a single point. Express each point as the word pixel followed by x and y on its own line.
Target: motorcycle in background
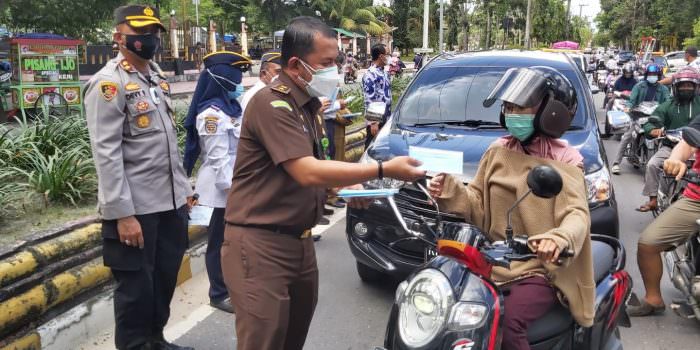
pixel 617 121
pixel 639 151
pixel 452 304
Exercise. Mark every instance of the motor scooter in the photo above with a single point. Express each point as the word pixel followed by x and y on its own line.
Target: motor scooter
pixel 683 262
pixel 617 121
pixel 641 149
pixel 451 302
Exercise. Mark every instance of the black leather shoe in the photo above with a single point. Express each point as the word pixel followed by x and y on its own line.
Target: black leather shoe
pixel 162 344
pixel 327 211
pixel 324 221
pixel 336 204
pixel 223 305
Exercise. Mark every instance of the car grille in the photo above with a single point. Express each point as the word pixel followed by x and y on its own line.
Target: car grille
pixel 413 204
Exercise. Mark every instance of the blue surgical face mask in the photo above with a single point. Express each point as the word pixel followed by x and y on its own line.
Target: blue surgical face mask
pixel 521 126
pixel 233 95
pixel 652 79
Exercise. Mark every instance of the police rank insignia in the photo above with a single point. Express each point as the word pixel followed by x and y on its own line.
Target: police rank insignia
pixel 281 88
pixel 148 11
pixel 126 65
pixel 131 86
pixel 143 121
pixel 164 86
pixel 108 90
pixel 211 124
pixel 142 106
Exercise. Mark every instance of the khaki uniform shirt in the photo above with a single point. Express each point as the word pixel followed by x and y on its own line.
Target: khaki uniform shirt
pixel 134 141
pixel 280 123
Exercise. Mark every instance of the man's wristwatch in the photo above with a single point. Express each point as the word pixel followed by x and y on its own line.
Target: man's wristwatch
pixel 380 174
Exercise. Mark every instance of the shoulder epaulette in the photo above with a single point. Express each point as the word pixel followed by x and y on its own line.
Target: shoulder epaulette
pixel 281 88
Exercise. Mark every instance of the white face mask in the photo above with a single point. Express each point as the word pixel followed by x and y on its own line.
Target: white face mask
pixel 323 81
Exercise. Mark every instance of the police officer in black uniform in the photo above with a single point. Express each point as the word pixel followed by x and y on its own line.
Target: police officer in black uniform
pixel 143 192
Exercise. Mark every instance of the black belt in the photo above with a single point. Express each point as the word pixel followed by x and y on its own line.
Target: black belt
pixel 285 230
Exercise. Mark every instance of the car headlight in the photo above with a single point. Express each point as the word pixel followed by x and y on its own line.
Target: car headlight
pixel 598 184
pixel 377 183
pixel 423 307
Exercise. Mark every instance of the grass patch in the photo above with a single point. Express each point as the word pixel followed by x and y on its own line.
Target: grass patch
pixel 37 219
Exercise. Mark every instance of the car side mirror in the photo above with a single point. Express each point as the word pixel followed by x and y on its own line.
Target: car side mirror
pixel 545 181
pixel 691 136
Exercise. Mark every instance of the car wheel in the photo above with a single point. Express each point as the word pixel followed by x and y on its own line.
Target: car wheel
pixel 368 274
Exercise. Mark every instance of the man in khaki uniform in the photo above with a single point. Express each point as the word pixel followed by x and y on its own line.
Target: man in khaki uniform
pixel 143 192
pixel 279 189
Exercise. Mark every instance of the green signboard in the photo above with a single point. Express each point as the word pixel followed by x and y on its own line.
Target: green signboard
pixel 49 69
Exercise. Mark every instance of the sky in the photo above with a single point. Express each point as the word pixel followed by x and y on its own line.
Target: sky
pixel 590 10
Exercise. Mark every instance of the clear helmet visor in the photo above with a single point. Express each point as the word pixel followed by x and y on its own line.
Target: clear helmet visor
pixel 524 87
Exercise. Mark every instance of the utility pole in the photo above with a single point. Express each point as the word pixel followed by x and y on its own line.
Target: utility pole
pixel 580 9
pixel 426 7
pixel 528 25
pixel 440 50
pixel 196 11
pixel 568 18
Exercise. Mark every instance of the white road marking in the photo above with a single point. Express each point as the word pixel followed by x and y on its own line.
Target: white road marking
pixel 181 328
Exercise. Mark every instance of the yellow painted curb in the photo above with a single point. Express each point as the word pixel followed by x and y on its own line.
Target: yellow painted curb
pixel 26 262
pixel 33 303
pixel 194 232
pixel 185 272
pixel 31 341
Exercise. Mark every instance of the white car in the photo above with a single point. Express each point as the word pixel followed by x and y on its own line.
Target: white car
pixel 676 60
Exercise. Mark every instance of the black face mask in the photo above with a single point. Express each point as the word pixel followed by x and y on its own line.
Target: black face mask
pixel 686 95
pixel 143 45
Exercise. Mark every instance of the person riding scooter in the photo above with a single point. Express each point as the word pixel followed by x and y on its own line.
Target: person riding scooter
pixel 350 68
pixel 672 114
pixel 624 83
pixel 672 227
pixel 539 104
pixel 646 90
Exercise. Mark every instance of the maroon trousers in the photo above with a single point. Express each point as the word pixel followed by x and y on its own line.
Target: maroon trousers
pixel 525 301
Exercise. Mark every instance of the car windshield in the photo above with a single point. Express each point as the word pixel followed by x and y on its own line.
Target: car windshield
pixel 660 61
pixel 626 54
pixel 453 94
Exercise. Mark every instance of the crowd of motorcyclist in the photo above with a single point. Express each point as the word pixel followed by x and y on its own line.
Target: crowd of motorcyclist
pixel 668 110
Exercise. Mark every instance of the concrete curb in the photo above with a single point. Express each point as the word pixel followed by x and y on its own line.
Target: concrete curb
pixel 21 311
pixel 35 257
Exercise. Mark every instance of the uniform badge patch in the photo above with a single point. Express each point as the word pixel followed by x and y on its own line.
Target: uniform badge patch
pixel 142 106
pixel 108 90
pixel 164 85
pixel 211 124
pixel 281 104
pixel 131 86
pixel 148 11
pixel 143 121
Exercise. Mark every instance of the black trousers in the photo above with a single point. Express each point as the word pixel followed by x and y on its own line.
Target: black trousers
pixel 217 287
pixel 145 277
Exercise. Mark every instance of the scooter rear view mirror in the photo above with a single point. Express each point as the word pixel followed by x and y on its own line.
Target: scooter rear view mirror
pixel 691 136
pixel 544 181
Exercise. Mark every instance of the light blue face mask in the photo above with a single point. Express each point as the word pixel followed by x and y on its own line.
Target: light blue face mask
pixel 652 79
pixel 234 95
pixel 521 126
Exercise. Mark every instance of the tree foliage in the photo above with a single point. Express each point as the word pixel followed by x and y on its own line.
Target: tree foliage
pixel 84 19
pixel 355 15
pixel 670 21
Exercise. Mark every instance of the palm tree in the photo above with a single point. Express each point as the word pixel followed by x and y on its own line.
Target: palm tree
pixel 355 15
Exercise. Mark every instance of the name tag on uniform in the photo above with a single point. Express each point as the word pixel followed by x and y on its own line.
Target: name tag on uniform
pixel 201 215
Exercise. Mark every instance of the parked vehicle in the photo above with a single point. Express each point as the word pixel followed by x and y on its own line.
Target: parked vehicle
pixel 442 109
pixel 676 60
pixel 450 302
pixel 624 57
pixel 683 263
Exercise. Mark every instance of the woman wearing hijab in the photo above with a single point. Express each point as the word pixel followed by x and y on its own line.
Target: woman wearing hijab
pixel 538 107
pixel 213 126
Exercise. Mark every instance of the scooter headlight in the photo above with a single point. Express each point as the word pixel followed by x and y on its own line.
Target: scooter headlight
pixel 423 307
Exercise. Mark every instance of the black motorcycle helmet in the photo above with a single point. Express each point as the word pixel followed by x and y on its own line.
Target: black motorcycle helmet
pixel 527 87
pixel 628 68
